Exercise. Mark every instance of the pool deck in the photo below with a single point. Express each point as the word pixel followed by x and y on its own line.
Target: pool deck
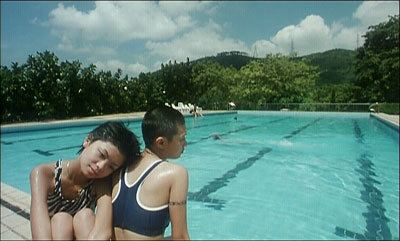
pixel 15 204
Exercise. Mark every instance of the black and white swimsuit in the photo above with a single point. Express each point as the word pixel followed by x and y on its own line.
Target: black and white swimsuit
pixel 57 203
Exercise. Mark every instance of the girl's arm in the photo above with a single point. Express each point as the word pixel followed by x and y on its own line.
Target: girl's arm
pixel 103 219
pixel 41 178
pixel 177 204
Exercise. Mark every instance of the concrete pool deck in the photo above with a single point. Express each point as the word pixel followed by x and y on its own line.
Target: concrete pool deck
pixel 15 204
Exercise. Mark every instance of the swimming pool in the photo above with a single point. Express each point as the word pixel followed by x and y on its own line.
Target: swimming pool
pixel 271 175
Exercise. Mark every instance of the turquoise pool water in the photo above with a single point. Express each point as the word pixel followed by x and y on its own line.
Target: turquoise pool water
pixel 271 175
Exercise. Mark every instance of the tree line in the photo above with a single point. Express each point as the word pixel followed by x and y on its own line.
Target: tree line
pixel 45 88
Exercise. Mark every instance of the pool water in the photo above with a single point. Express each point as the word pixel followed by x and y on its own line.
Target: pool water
pixel 269 175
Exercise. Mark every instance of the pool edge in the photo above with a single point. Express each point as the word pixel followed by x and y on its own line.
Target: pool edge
pixel 386 120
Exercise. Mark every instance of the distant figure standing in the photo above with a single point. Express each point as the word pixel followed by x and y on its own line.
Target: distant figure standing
pixel 232 105
pixel 195 112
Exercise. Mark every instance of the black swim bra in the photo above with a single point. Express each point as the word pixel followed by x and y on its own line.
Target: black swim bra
pixel 130 214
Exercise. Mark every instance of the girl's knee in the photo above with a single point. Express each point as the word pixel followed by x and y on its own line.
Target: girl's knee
pixel 83 216
pixel 61 218
pixel 83 222
pixel 61 226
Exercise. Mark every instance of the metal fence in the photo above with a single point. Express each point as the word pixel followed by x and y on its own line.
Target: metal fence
pixel 388 108
pixel 342 107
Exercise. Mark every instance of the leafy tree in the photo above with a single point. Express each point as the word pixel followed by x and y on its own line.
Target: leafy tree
pixel 70 75
pixel 175 80
pixel 43 71
pixel 212 83
pixel 340 93
pixel 152 89
pixel 275 79
pixel 377 66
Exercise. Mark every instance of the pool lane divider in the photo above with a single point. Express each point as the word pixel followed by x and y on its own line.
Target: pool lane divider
pixel 302 128
pixel 49 152
pixel 377 228
pixel 211 124
pixel 220 182
pixel 244 128
pixel 41 138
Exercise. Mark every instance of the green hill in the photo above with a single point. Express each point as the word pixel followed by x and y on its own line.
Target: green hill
pixel 233 59
pixel 336 66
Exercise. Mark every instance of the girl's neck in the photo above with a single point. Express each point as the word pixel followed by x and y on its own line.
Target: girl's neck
pixel 151 155
pixel 74 173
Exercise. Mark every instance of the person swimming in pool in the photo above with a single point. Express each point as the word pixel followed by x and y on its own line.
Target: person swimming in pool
pixel 215 136
pixel 151 193
pixel 64 195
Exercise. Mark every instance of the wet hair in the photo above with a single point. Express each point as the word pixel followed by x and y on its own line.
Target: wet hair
pixel 161 121
pixel 120 136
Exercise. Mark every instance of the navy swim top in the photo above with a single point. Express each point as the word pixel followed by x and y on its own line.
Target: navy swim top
pixel 129 213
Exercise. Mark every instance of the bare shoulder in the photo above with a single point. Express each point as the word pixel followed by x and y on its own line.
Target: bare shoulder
pixel 175 170
pixel 42 178
pixel 43 171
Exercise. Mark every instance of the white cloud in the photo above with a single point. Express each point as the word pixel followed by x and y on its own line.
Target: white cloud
pixel 263 47
pixel 197 43
pixel 123 21
pixel 113 21
pixel 176 8
pixel 374 12
pixel 109 24
pixel 346 38
pixel 85 48
pixel 127 68
pixel 309 36
pixel 313 35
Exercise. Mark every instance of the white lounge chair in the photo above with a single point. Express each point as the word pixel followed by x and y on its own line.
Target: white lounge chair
pixel 199 110
pixel 183 107
pixel 191 107
pixel 176 107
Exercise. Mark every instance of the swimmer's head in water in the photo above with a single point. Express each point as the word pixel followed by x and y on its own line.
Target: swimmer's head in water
pixel 216 137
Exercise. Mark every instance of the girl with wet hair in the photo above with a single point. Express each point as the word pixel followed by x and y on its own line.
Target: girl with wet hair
pixel 71 198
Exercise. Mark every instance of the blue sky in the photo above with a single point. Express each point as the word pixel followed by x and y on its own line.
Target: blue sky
pixel 139 36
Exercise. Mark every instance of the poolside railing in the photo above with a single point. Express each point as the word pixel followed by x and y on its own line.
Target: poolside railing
pixel 328 107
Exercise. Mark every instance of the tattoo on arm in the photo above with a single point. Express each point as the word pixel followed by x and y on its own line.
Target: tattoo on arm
pixel 177 203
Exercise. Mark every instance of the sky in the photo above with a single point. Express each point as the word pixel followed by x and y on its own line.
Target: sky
pixel 138 36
